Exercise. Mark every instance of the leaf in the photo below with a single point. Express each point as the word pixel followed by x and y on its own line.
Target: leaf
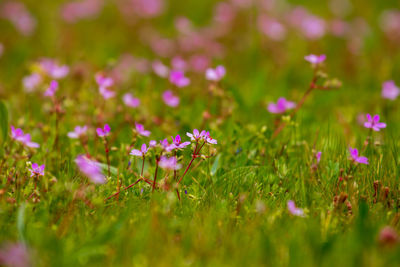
pixel 215 165
pixel 3 122
pixel 21 221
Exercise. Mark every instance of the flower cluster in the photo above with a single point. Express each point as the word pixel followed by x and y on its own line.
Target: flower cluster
pixel 25 139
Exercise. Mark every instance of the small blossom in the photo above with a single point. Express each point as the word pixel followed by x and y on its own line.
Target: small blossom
pixel 315 59
pixel 169 163
pixel 390 90
pixel 91 169
pixel 215 74
pixel 281 106
pixel 103 81
pixel 78 132
pixel 318 156
pixel 160 69
pixel 141 131
pixel 388 236
pixel 170 99
pixel 295 210
pixel 18 135
pixel 177 142
pixel 209 139
pixel 152 143
pixel 140 153
pixel 165 145
pixel 356 158
pixel 50 92
pixel 103 132
pixel 177 77
pixel 15 255
pixel 130 100
pixel 196 135
pixel 36 169
pixel 53 69
pixel 31 82
pixel 373 123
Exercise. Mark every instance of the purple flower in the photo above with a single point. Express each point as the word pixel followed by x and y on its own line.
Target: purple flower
pixel 209 139
pixel 165 145
pixel 281 106
pixel 196 135
pixel 78 132
pixel 18 135
pixel 356 158
pixel 91 169
pixel 169 163
pixel 74 11
pixel 31 82
pixel 152 143
pixel 19 16
pixel 177 142
pixel 160 69
pixel 36 169
pixel 103 81
pixel 295 210
pixel 140 130
pixel 170 99
pixel 314 59
pixel 318 156
pixel 50 92
pixel 105 93
pixel 15 255
pixel 130 100
pixel 103 132
pixel 373 123
pixel 215 74
pixel 53 69
pixel 177 77
pixel 390 90
pixel 140 153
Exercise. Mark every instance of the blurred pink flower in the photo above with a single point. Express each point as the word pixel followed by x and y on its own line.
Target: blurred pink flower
pixel 281 106
pixel 178 63
pixel 295 210
pixel 390 24
pixel 15 255
pixel 199 63
pixel 356 158
pixel 160 69
pixel 31 82
pixel 388 236
pixel 37 170
pixel 140 130
pixel 91 169
pixel 390 90
pixel 130 100
pixel 272 28
pixel 78 132
pixel 53 69
pixel 142 8
pixel 169 163
pixel 178 78
pixel 25 139
pixel 18 14
pixel 215 74
pixel 74 11
pixel 103 132
pixel 318 156
pixel 170 99
pixel 313 27
pixel 314 59
pixel 373 123
pixel 140 153
pixel 50 92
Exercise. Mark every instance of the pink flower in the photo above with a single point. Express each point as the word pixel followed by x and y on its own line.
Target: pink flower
pixel 140 153
pixel 373 123
pixel 166 146
pixel 178 63
pixel 50 92
pixel 91 169
pixel 15 255
pixel 294 210
pixel 177 142
pixel 315 59
pixel 356 158
pixel 31 82
pixel 53 69
pixel 388 236
pixel 141 131
pixel 130 100
pixel 169 163
pixel 37 170
pixel 178 78
pixel 103 132
pixel 103 81
pixel 390 90
pixel 160 69
pixel 170 99
pixel 18 14
pixel 196 135
pixel 72 12
pixel 272 28
pixel 25 139
pixel 78 132
pixel 215 74
pixel 209 139
pixel 152 143
pixel 313 27
pixel 105 93
pixel 318 156
pixel 281 106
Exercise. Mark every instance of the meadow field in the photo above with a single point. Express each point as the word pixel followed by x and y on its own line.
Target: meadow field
pixel 199 133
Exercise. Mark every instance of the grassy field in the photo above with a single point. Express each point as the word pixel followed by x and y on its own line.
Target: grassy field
pixel 272 181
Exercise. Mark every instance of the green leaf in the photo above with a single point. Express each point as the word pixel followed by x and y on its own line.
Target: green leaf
pixel 3 122
pixel 215 165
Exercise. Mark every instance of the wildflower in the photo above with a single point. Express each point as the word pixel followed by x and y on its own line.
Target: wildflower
pixel 78 132
pixel 373 123
pixel 53 69
pixel 91 169
pixel 388 236
pixel 50 92
pixel 177 142
pixel 165 145
pixel 74 11
pixel 178 63
pixel 295 210
pixel 31 82
pixel 18 135
pixel 131 101
pixel 281 106
pixel 140 153
pixel 170 99
pixel 196 135
pixel 160 69
pixel 104 83
pixel 314 59
pixel 15 255
pixel 390 90
pixel 36 169
pixel 318 156
pixel 152 143
pixel 103 132
pixel 105 93
pixel 141 131
pixel 356 158
pixel 19 16
pixel 215 74
pixel 169 163
pixel 272 28
pixel 177 77
pixel 209 139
